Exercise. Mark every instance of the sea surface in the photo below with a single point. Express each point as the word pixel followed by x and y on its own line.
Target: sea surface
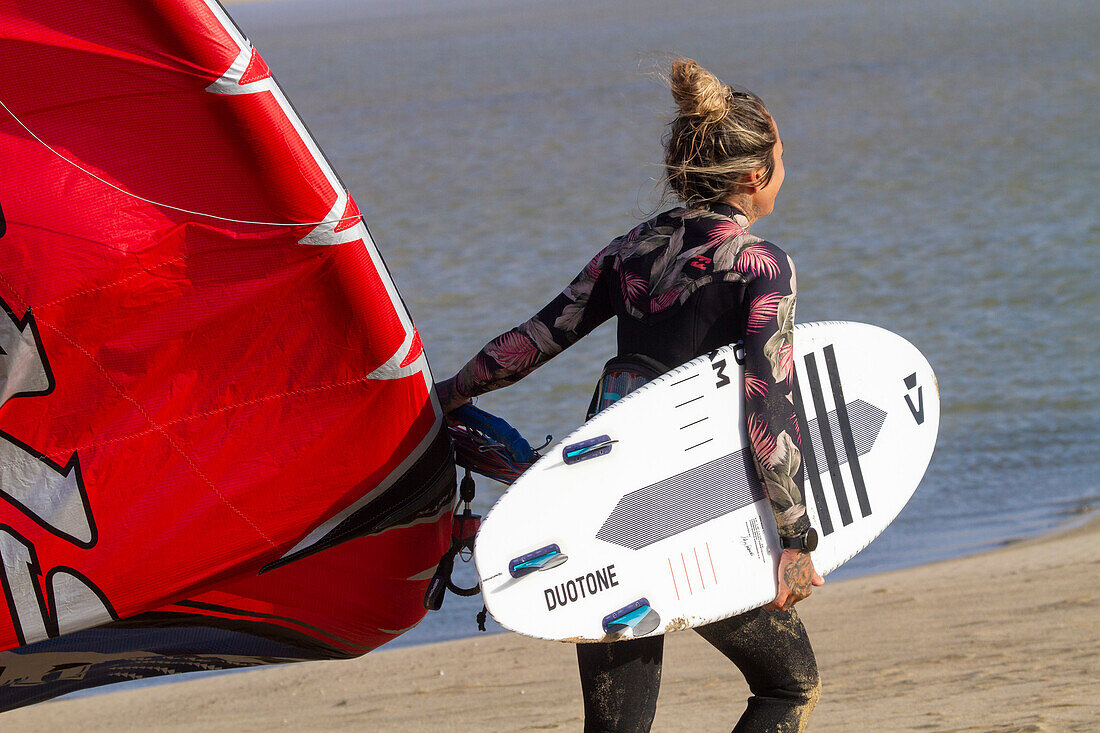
pixel 943 172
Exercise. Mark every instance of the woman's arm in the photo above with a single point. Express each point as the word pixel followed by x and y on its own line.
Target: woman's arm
pixel 509 357
pixel 769 381
pixel 774 436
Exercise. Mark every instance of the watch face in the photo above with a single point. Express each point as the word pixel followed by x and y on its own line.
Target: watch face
pixel 805 542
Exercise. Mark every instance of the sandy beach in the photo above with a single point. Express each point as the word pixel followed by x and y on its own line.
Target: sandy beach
pixel 1002 641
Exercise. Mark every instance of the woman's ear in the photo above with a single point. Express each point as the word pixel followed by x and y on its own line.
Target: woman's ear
pixel 752 180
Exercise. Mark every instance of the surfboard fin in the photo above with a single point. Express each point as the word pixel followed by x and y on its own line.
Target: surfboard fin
pixel 639 617
pixel 543 558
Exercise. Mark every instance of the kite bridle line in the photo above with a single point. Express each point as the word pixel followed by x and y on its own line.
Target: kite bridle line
pixel 162 205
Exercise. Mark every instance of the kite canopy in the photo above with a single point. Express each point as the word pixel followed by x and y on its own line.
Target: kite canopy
pixel 219 445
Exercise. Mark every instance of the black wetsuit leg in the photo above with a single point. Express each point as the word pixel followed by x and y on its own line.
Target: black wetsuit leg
pixel 619 683
pixel 772 650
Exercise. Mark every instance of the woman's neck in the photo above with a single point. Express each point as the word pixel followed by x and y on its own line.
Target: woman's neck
pixel 742 202
pixel 740 206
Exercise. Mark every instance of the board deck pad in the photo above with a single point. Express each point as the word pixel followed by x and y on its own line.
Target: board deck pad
pixel 653 509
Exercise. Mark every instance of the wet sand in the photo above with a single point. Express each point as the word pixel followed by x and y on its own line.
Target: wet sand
pixel 1008 640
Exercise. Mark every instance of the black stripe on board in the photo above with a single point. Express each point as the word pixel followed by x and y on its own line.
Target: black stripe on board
pixel 702 419
pixel 827 440
pixel 699 444
pixel 812 472
pixel 846 431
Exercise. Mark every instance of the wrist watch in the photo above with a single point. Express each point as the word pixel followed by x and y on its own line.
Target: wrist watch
pixel 807 541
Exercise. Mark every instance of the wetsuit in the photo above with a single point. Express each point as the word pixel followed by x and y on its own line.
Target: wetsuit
pixel 682 284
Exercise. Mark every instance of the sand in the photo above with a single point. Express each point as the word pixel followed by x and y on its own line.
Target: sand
pixel 1002 641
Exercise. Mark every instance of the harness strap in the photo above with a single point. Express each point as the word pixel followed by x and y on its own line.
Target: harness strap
pixel 621 376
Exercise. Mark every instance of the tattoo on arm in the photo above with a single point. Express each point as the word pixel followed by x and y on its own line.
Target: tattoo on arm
pixel 797 575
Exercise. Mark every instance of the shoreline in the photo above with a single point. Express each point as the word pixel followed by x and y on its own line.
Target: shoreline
pixel 1003 640
pixel 849 571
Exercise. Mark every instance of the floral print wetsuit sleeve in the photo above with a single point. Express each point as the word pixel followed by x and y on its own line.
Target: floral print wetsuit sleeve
pixel 769 380
pixel 513 355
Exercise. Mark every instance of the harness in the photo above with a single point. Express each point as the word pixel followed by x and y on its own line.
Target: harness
pixel 621 376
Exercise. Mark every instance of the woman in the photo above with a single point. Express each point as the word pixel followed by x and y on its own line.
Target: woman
pixel 681 284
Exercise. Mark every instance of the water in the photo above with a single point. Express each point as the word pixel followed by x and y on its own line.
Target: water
pixel 943 164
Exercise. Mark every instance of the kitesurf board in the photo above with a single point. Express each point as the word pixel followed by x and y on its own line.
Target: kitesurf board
pixel 650 517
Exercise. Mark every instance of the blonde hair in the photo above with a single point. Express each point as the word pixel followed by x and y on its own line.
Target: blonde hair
pixel 719 136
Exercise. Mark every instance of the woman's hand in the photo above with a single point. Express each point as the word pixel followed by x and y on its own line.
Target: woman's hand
pixel 449 398
pixel 796 579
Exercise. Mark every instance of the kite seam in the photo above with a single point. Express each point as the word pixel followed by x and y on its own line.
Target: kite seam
pixel 162 205
pixel 172 442
pixel 148 418
pixel 116 283
pixel 155 427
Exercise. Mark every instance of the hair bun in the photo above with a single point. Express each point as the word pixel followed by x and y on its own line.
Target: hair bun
pixel 698 93
pixel 718 137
